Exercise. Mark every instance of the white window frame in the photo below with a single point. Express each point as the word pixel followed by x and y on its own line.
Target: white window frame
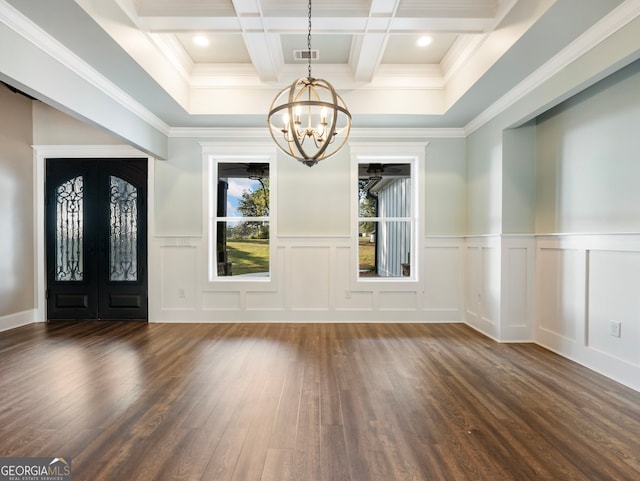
pixel 213 155
pixel 411 153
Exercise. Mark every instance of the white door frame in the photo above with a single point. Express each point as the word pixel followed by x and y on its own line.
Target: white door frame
pixel 40 154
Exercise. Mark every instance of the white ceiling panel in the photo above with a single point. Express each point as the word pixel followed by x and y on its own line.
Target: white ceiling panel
pixel 320 8
pixel 183 8
pixel 403 49
pixel 222 48
pixel 448 8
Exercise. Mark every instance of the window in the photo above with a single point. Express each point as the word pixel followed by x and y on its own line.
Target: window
pixel 387 224
pixel 385 221
pixel 239 217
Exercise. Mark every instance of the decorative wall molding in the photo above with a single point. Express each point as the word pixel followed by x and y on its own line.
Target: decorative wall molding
pixel 259 133
pixel 583 282
pixel 311 281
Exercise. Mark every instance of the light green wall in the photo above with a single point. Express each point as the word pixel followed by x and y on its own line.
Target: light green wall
pixel 493 169
pixel 16 204
pixel 178 190
pixel 518 179
pixel 445 187
pixel 588 159
pixel 484 180
pixel 312 201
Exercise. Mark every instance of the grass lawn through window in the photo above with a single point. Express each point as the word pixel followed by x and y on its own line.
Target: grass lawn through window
pixel 366 255
pixel 248 256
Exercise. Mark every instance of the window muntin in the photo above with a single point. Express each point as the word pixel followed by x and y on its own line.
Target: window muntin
pixel 386 219
pixel 240 228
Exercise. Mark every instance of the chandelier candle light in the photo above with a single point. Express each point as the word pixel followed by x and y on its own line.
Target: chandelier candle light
pixel 314 122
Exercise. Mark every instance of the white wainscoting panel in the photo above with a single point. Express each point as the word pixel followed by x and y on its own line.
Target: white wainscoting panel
pixel 500 285
pixel 483 295
pixel 561 296
pixel 259 300
pixel 518 279
pixel 473 284
pixel 443 285
pixel 308 269
pixel 222 301
pixel 312 280
pixel 614 296
pixel 178 276
pixel 397 301
pixel 583 283
pixel 355 301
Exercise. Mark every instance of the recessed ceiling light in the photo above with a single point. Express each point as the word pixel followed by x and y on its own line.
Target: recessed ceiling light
pixel 201 40
pixel 424 41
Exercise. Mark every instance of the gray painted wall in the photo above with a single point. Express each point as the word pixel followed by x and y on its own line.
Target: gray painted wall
pixel 588 160
pixel 311 201
pixel 16 204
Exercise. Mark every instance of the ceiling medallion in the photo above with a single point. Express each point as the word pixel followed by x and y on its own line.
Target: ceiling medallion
pixel 314 122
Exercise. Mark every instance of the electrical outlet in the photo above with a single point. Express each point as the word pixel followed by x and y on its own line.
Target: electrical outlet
pixel 181 294
pixel 615 328
pixel 347 294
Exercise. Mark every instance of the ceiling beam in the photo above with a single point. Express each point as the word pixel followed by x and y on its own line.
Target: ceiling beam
pixel 367 53
pixel 264 49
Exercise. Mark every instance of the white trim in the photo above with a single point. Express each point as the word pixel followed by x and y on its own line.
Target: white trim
pixel 390 152
pixel 610 24
pixel 227 135
pixel 174 53
pixel 40 154
pixel 51 47
pixel 212 154
pixel 18 319
pixel 409 133
pixel 231 134
pixel 460 52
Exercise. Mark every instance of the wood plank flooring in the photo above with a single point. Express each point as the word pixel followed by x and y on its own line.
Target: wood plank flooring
pixel 309 402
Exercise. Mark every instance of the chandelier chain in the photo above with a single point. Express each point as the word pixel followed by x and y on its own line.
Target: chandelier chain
pixel 309 44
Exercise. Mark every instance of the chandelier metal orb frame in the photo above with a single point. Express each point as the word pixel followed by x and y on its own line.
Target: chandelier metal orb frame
pixel 314 120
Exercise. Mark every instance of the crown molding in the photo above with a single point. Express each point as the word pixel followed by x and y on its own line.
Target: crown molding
pixel 459 53
pixel 600 31
pixel 172 50
pixel 24 27
pixel 409 133
pixel 227 133
pixel 101 151
pixel 230 134
pixel 388 77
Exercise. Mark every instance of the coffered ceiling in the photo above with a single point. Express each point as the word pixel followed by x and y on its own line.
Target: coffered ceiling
pixel 368 49
pixel 361 36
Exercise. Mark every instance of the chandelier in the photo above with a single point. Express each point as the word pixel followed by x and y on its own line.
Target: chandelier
pixel 314 122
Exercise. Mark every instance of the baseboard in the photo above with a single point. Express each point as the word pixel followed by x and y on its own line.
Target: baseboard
pixel 16 320
pixel 619 370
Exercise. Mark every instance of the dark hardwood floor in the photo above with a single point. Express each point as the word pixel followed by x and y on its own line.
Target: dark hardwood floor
pixel 309 402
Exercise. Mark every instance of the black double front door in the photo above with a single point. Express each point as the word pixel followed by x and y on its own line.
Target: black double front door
pixel 96 238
